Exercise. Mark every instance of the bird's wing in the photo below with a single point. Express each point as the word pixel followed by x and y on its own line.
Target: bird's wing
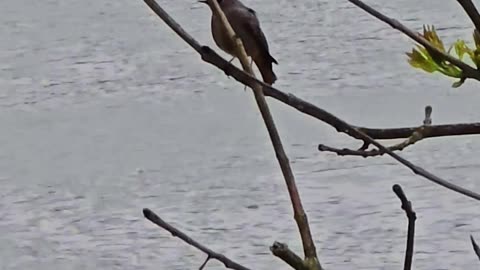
pixel 249 24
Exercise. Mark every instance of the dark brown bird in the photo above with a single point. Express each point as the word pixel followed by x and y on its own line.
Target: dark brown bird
pixel 245 23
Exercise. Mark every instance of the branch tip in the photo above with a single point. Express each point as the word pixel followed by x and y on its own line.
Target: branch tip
pixel 476 248
pixel 407 207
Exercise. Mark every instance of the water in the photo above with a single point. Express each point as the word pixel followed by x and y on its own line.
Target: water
pixel 105 111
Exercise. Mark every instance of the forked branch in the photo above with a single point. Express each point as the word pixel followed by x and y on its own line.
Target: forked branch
pixel 299 213
pixel 420 133
pixel 209 56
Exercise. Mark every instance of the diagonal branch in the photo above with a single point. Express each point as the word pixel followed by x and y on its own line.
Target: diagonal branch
pixel 472 12
pixel 299 213
pixel 467 70
pixel 475 246
pixel 150 215
pixel 412 216
pixel 209 56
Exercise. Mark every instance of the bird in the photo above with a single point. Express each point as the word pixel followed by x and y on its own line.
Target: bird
pixel 246 25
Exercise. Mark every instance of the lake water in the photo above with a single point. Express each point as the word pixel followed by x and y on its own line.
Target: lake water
pixel 104 111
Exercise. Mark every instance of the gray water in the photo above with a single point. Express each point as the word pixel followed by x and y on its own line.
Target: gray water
pixel 104 111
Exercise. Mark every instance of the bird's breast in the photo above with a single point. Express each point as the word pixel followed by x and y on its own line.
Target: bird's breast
pixel 220 36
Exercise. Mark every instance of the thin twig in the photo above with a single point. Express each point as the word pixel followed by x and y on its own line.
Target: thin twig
pixel 204 263
pixel 416 136
pixel 472 12
pixel 150 215
pixel 209 56
pixel 412 216
pixel 475 247
pixel 285 254
pixel 467 70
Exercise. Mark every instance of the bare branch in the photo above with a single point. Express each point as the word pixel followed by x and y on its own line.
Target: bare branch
pixel 475 247
pixel 467 70
pixel 204 263
pixel 435 131
pixel 303 106
pixel 209 56
pixel 472 12
pixel 412 216
pixel 416 136
pixel 177 28
pixel 299 213
pixel 284 253
pixel 150 215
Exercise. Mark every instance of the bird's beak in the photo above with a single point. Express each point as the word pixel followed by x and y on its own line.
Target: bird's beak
pixel 203 1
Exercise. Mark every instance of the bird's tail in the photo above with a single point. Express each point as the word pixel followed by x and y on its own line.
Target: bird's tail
pixel 266 69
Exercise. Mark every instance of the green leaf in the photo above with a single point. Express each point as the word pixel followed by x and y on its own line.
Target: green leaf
pixel 461 49
pixel 430 34
pixel 431 61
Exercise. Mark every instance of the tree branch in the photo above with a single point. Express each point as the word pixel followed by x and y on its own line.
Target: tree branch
pixel 416 136
pixel 472 12
pixel 204 263
pixel 412 216
pixel 209 56
pixel 284 253
pixel 467 70
pixel 435 131
pixel 475 247
pixel 299 213
pixel 150 215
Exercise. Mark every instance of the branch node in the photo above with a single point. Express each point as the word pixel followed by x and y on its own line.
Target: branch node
pixel 204 263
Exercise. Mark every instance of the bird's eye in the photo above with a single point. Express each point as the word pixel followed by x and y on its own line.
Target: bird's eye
pixel 219 1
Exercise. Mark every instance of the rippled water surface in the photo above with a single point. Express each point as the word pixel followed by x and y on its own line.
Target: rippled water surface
pixel 105 111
